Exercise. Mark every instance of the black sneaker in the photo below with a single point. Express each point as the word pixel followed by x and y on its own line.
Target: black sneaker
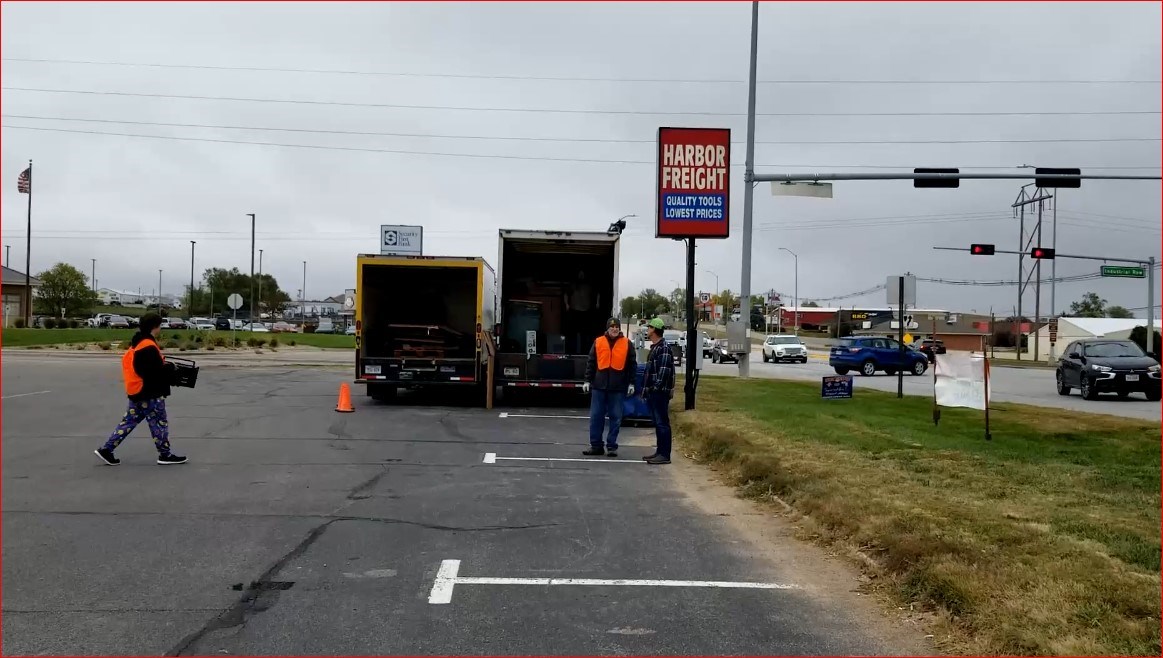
pixel 594 452
pixel 612 453
pixel 658 459
pixel 107 456
pixel 171 458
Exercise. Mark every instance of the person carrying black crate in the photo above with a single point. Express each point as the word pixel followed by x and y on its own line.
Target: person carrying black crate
pixel 147 385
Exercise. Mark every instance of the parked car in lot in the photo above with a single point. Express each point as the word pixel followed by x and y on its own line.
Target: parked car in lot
pixel 778 348
pixel 326 326
pixel 720 353
pixel 222 324
pixel 98 320
pixel 931 348
pixel 677 341
pixel 350 330
pixel 175 323
pixel 708 346
pixel 868 355
pixel 1102 365
pixel 283 328
pixel 117 322
pixel 202 324
pixel 255 327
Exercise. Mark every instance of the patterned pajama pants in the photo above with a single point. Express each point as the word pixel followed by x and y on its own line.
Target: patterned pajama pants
pixel 152 412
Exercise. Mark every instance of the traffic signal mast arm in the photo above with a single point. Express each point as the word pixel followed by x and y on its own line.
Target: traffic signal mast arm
pixel 1136 261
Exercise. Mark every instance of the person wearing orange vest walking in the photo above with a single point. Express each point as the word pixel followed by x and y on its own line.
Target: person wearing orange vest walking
pixel 610 373
pixel 147 384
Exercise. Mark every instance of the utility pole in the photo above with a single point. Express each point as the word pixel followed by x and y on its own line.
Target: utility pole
pixel 260 284
pixel 7 255
pixel 190 300
pixel 303 298
pixel 796 292
pixel 93 275
pixel 749 197
pixel 159 292
pixel 251 267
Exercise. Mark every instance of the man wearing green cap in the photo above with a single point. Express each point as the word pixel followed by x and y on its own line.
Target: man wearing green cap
pixel 609 379
pixel 658 389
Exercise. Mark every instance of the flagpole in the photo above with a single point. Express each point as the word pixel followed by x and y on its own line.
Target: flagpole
pixel 28 254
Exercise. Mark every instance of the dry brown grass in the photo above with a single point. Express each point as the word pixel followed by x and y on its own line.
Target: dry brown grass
pixel 1042 541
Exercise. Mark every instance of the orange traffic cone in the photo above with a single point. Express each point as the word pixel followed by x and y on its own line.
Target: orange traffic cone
pixel 344 405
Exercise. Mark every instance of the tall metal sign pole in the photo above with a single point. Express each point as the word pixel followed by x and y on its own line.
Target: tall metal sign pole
pixel 748 198
pixel 251 267
pixel 693 201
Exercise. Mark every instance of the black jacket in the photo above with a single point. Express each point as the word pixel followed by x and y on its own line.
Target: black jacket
pixel 610 379
pixel 153 370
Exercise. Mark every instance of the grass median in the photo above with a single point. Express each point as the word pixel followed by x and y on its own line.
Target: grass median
pixel 44 337
pixel 1045 540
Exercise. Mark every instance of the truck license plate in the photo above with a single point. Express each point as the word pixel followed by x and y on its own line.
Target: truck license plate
pixel 1132 378
pixel 512 372
pixel 372 370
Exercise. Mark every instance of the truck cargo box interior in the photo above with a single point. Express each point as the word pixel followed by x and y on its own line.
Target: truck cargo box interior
pixel 419 312
pixel 562 290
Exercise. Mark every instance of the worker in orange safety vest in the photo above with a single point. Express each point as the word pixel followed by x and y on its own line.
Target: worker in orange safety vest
pixel 609 378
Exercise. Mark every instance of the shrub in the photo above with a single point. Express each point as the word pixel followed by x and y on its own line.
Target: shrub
pixel 105 346
pixel 74 324
pixel 198 339
pixel 256 342
pixel 274 342
pixel 170 344
pixel 292 343
pixel 219 341
pixel 209 348
pixel 80 347
pixel 50 323
pixel 176 337
pixel 20 323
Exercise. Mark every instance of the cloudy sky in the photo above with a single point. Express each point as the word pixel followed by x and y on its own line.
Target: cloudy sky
pixel 466 118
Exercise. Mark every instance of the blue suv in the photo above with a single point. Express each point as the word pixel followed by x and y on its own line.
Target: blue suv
pixel 867 355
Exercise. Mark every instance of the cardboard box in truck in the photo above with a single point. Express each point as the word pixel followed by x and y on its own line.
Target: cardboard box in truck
pixel 557 289
pixel 418 321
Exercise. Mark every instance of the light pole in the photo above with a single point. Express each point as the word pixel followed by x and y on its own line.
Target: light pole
pixel 190 300
pixel 717 291
pixel 796 293
pixel 7 254
pixel 251 267
pixel 159 292
pixel 260 284
pixel 93 275
pixel 303 298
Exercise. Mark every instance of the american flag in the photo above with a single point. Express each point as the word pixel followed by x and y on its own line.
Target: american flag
pixel 24 183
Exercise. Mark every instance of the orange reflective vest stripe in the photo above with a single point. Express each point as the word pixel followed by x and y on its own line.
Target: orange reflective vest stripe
pixel 133 382
pixel 612 358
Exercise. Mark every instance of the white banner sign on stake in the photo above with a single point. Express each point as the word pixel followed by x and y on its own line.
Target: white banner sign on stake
pixel 961 380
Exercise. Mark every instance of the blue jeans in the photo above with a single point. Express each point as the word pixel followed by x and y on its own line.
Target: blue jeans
pixel 603 404
pixel 660 412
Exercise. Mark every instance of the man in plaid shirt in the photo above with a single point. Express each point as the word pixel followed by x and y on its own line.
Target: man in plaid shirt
pixel 658 389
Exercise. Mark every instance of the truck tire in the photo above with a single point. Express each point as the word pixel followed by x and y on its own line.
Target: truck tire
pixel 381 392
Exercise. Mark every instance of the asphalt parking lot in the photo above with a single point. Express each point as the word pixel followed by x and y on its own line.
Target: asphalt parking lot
pixel 297 530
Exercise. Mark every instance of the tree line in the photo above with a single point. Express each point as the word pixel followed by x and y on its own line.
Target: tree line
pixel 63 286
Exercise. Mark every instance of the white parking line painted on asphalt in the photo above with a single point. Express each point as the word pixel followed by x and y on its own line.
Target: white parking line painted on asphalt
pixel 23 395
pixel 509 415
pixel 447 578
pixel 492 458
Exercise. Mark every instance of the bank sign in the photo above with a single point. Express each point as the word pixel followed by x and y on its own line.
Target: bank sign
pixel 693 190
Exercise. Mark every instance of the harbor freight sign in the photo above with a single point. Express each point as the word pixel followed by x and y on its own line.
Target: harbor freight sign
pixel 1124 271
pixel 694 166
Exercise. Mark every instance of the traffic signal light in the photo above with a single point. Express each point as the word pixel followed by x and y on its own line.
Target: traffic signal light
pixel 1042 253
pixel 936 182
pixel 981 249
pixel 1057 182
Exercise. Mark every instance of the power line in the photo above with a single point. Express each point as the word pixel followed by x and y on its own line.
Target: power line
pixel 600 140
pixel 568 110
pixel 501 76
pixel 482 155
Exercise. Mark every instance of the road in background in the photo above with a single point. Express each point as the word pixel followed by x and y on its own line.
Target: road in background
pixel 1024 385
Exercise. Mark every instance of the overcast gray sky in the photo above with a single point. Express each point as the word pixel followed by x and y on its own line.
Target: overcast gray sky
pixel 134 203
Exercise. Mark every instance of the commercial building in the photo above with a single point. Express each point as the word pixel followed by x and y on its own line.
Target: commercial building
pixel 17 295
pixel 1071 329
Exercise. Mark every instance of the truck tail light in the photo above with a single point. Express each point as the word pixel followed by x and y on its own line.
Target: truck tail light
pixel 358 326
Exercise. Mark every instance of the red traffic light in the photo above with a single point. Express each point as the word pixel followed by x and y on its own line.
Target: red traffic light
pixel 1042 253
pixel 981 249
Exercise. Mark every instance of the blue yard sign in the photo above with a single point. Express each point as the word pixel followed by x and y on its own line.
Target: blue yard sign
pixel 836 387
